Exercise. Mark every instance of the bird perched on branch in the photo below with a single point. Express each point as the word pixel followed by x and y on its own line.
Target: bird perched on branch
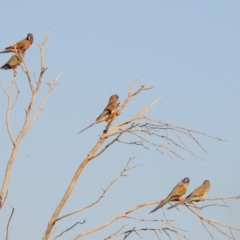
pixel 197 195
pixel 14 61
pixel 23 44
pixel 176 194
pixel 108 113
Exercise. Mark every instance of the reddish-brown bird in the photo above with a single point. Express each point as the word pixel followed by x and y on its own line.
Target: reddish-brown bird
pixel 14 61
pixel 108 112
pixel 23 44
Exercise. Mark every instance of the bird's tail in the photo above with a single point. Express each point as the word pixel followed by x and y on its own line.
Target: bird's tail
pixel 180 202
pixel 87 127
pixel 5 67
pixel 6 51
pixel 159 206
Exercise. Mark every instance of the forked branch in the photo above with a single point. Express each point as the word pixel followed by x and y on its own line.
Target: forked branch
pixel 220 227
pixel 127 167
pixel 29 119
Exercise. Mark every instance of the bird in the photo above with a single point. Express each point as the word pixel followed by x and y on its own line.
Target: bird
pixel 23 44
pixel 14 61
pixel 176 194
pixel 108 113
pixel 197 195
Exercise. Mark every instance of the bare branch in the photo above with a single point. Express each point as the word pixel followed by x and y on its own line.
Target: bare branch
pixel 9 220
pixel 27 72
pixel 148 220
pixel 27 121
pixel 207 230
pixel 69 229
pixel 136 230
pixel 120 230
pixel 167 221
pixel 132 94
pixel 71 186
pixel 4 89
pixel 9 96
pixel 127 234
pixel 137 116
pixel 115 219
pixel 214 224
pixel 3 201
pixel 109 144
pixel 126 168
pixel 16 98
pixel 40 108
pixel 222 199
pixel 161 130
pixel 137 143
pixel 211 205
pixel 42 52
pixel 183 128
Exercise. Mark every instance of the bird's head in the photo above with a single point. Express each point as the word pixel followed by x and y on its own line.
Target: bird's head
pixel 114 99
pixel 30 37
pixel 186 180
pixel 206 183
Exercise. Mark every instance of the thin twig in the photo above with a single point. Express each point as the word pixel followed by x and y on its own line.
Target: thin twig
pixel 108 145
pixel 136 230
pixel 9 220
pixel 147 220
pixel 126 168
pixel 69 229
pixel 128 233
pixel 214 224
pixel 40 108
pixel 4 89
pixel 16 98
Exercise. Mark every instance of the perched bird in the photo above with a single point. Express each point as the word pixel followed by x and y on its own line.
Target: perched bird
pixel 108 112
pixel 197 195
pixel 14 61
pixel 23 44
pixel 176 194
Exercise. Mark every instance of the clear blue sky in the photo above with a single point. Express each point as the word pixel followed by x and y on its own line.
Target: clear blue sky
pixel 188 50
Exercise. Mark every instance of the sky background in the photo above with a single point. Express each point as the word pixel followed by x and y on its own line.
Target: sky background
pixel 187 50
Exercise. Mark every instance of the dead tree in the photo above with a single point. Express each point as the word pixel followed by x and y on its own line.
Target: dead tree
pixel 144 132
